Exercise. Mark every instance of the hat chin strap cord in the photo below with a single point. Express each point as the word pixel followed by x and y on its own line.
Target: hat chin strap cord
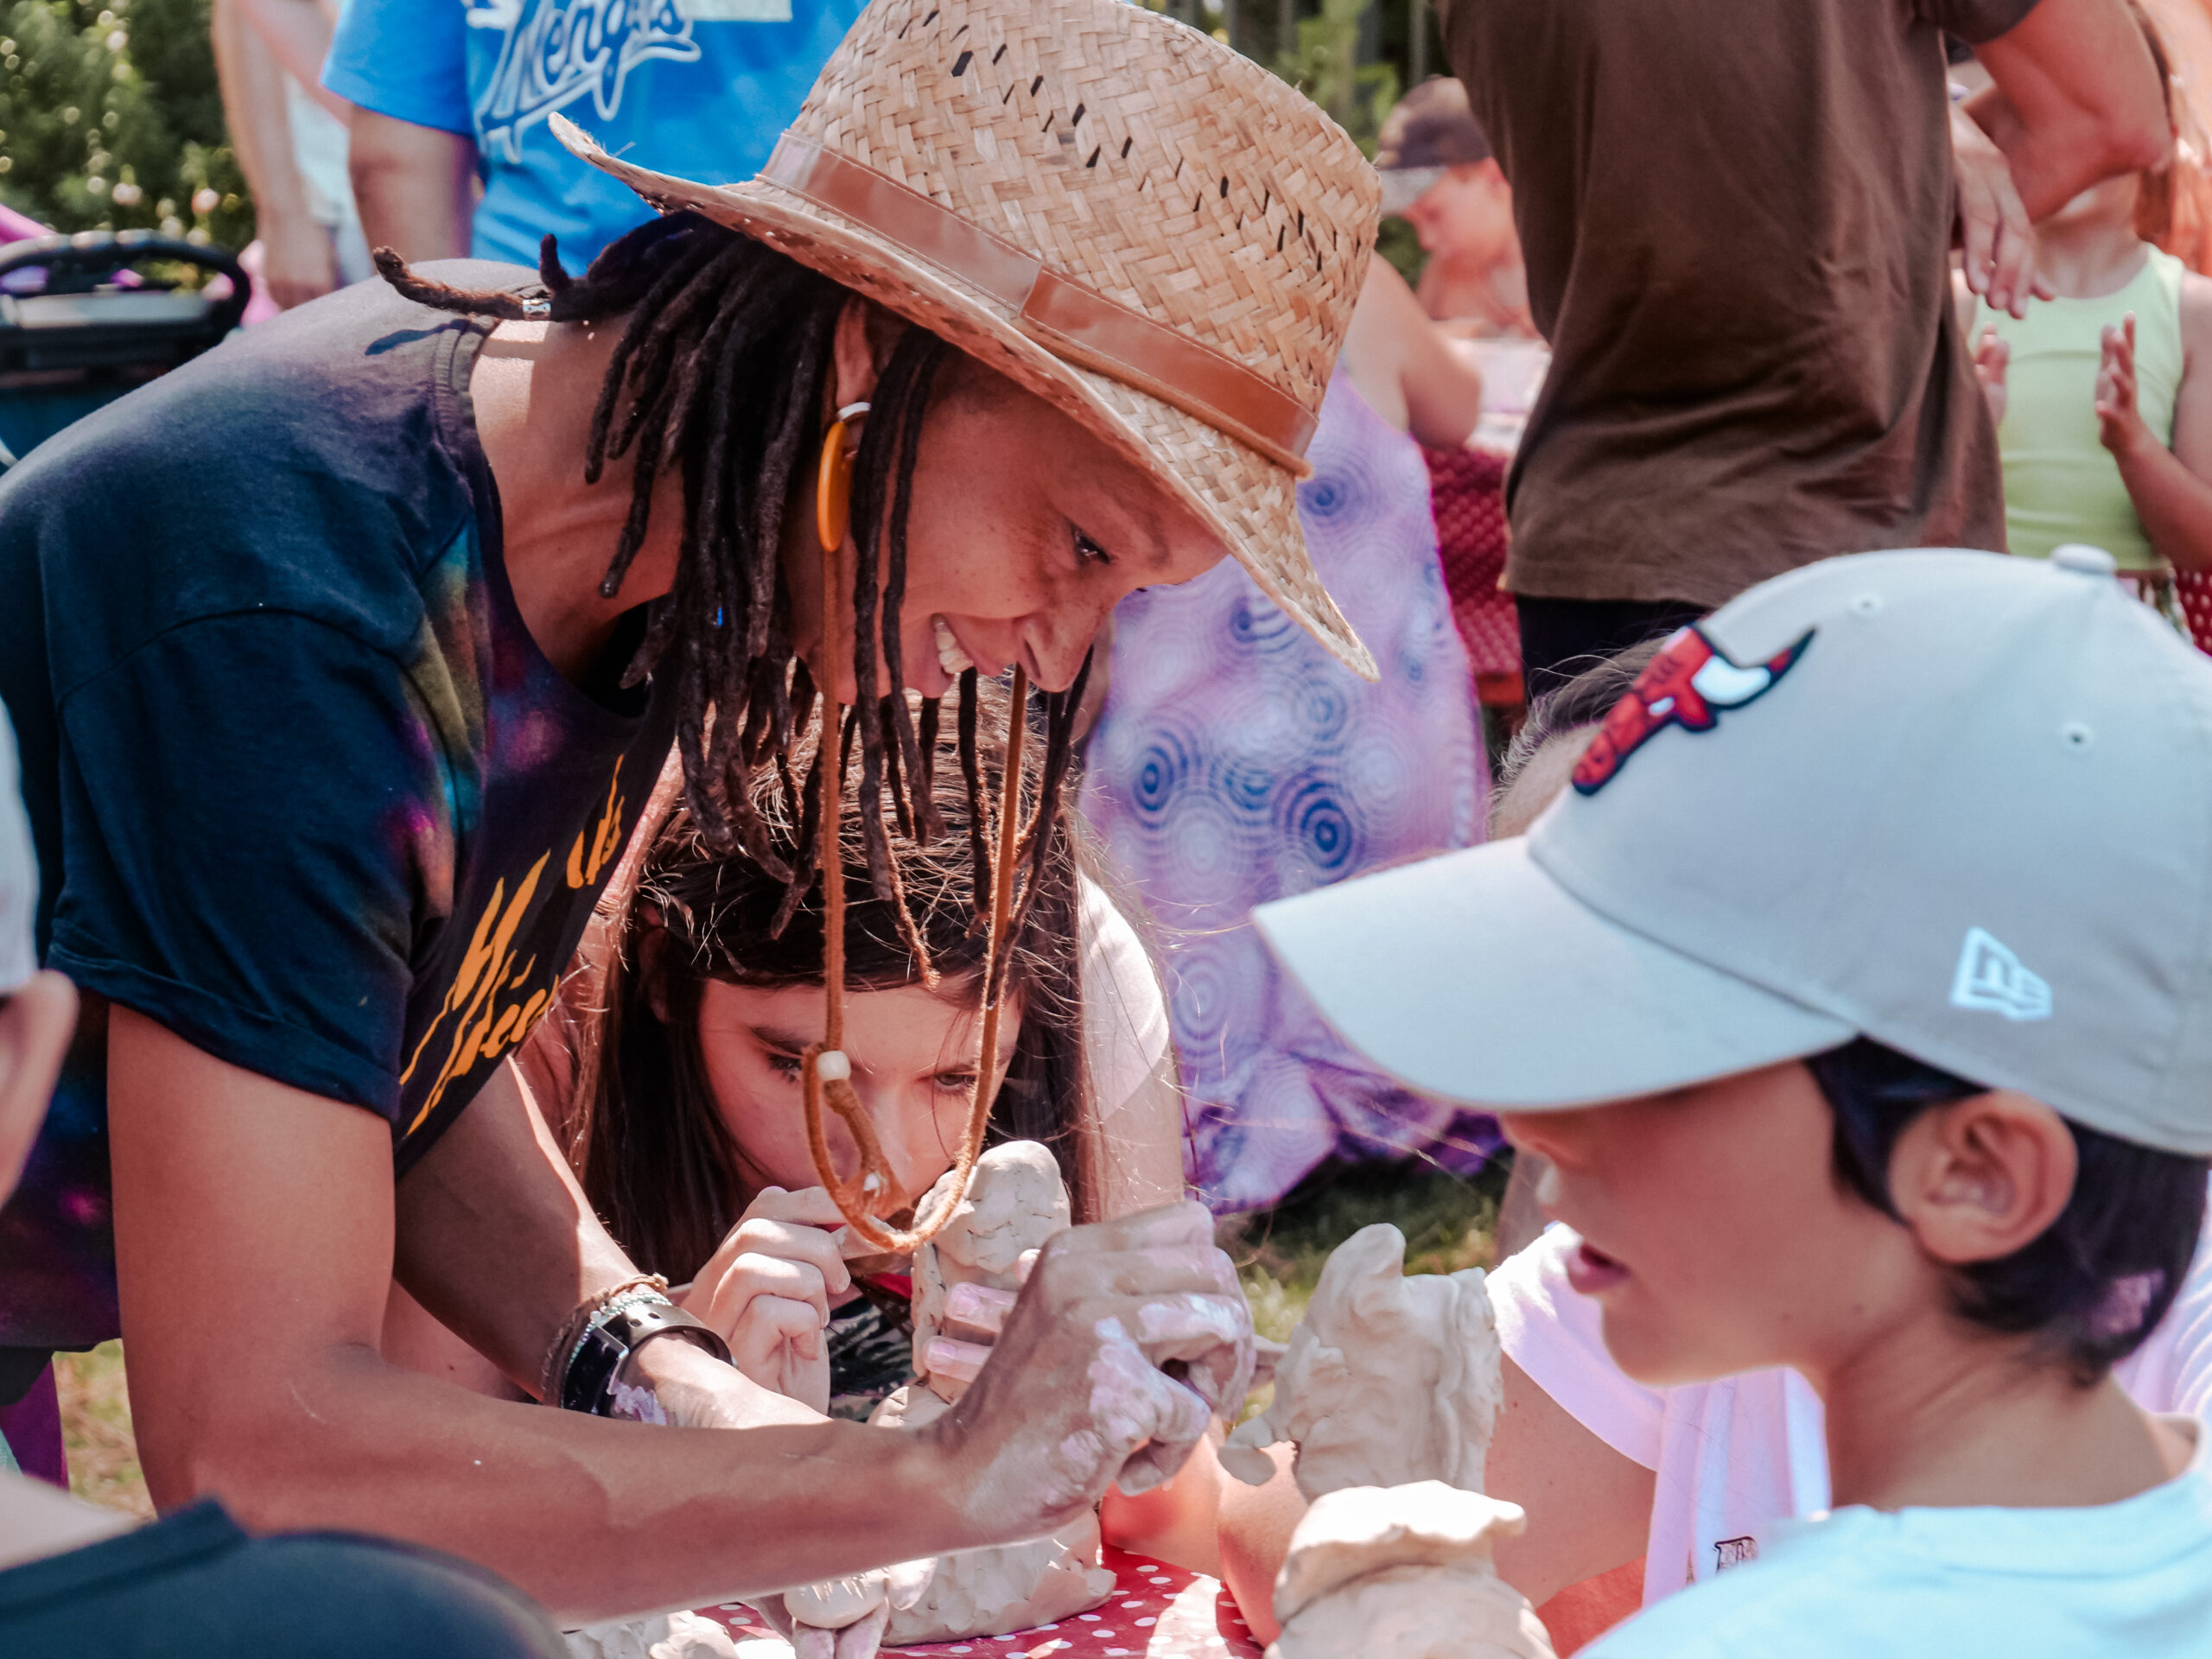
pixel 826 1072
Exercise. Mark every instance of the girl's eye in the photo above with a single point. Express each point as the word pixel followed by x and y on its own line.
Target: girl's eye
pixel 956 1082
pixel 1089 552
pixel 784 1065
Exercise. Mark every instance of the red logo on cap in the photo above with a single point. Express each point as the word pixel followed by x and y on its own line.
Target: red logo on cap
pixel 1688 685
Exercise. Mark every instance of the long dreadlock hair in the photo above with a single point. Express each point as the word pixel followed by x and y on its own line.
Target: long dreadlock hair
pixel 724 369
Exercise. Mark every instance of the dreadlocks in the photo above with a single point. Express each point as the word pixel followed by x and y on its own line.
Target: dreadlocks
pixel 724 369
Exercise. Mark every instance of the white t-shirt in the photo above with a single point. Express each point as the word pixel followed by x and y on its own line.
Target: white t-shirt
pixel 1731 1456
pixel 2133 1578
pixel 1124 1010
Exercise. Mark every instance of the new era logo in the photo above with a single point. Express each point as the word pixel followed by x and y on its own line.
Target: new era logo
pixel 1992 979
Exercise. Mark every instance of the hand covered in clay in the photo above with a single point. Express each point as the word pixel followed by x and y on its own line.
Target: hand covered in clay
pixel 768 1290
pixel 1125 1339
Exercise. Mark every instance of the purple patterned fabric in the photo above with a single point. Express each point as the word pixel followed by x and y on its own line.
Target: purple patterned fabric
pixel 1236 762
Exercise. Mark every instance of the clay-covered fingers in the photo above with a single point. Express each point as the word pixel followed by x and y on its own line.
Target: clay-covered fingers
pixel 981 1309
pixel 860 1639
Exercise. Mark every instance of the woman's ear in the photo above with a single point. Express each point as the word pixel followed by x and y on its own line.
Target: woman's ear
pixel 1984 1177
pixel 865 337
pixel 652 960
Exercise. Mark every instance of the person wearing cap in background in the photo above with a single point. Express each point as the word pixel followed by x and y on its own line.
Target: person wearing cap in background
pixel 1438 175
pixel 1735 216
pixel 344 661
pixel 1859 992
pixel 75 1578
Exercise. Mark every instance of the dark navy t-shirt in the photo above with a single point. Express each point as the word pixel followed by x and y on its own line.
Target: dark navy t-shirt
pixel 303 788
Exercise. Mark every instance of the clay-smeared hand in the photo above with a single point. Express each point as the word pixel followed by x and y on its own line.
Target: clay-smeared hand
pixel 769 1287
pixel 1128 1336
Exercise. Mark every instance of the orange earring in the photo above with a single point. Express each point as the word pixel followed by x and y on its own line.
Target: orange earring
pixel 833 486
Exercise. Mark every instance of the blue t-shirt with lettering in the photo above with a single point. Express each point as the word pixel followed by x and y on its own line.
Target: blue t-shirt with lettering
pixel 699 88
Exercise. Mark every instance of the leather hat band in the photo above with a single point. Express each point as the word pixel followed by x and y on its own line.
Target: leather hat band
pixel 1066 316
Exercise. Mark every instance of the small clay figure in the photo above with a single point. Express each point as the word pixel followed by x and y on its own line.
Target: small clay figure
pixel 965 1278
pixel 1403 1573
pixel 1389 1380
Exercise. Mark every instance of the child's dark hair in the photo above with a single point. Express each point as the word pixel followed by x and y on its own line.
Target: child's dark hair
pixel 656 1160
pixel 2097 1280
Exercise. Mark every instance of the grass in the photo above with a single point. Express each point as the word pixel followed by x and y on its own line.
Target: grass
pixel 1447 1223
pixel 95 1427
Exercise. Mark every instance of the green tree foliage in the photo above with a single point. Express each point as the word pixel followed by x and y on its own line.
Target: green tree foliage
pixel 111 119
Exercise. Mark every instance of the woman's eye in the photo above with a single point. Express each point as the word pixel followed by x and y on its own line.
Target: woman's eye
pixel 1089 552
pixel 956 1082
pixel 784 1065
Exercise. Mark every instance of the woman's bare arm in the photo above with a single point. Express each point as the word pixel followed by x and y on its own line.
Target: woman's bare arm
pixel 255 1241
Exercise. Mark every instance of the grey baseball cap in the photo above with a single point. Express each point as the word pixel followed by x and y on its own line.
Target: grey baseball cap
pixel 1431 130
pixel 1957 802
pixel 18 871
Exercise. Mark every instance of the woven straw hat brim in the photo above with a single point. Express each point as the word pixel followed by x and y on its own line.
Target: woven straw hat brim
pixel 1248 500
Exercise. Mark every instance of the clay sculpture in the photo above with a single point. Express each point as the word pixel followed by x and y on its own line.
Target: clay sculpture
pixel 1388 1380
pixel 1403 1573
pixel 964 1280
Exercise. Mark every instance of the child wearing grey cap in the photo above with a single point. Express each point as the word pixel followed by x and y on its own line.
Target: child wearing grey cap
pixel 1860 992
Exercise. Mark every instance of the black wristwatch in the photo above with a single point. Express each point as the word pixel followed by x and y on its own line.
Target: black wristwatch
pixel 618 1331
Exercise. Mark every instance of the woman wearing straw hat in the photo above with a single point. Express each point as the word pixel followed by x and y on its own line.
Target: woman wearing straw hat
pixel 344 661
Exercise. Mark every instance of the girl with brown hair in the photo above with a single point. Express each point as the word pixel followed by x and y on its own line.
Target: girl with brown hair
pixel 671 1069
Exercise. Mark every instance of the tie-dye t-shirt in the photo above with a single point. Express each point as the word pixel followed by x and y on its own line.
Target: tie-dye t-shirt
pixel 303 788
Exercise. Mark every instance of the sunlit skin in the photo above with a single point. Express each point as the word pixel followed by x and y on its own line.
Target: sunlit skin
pixel 1718 1239
pixel 1026 530
pixel 914 1055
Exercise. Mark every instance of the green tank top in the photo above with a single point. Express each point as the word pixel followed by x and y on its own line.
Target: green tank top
pixel 2061 485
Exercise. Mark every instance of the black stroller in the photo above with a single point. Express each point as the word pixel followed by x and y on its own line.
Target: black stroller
pixel 80 324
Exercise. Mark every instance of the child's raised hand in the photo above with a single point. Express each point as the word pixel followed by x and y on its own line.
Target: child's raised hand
pixel 2119 425
pixel 768 1290
pixel 1992 356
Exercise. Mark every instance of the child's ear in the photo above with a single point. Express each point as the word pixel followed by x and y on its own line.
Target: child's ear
pixel 1984 1177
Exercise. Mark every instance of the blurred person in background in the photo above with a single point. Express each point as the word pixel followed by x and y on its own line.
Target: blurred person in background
pixel 289 136
pixel 2101 395
pixel 1438 175
pixel 1231 765
pixel 1736 218
pixel 450 94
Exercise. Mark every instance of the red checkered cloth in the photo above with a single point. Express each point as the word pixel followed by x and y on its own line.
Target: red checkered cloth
pixel 1156 1611
pixel 2196 591
pixel 1466 490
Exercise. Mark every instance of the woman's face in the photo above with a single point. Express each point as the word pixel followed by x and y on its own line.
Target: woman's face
pixel 914 1055
pixel 1024 531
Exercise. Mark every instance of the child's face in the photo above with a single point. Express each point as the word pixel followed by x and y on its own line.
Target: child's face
pixel 914 1056
pixel 1717 1238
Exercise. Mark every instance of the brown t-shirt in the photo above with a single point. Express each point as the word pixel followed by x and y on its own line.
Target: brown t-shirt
pixel 1737 216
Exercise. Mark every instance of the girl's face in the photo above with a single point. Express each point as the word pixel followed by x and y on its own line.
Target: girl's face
pixel 914 1055
pixel 1024 531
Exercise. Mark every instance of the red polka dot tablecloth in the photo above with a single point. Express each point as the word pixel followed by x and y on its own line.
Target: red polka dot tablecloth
pixel 1156 1611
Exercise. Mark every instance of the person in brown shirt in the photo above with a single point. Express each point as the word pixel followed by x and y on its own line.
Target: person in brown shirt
pixel 1735 216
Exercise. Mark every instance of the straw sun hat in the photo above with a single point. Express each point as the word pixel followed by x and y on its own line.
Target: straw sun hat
pixel 1148 231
